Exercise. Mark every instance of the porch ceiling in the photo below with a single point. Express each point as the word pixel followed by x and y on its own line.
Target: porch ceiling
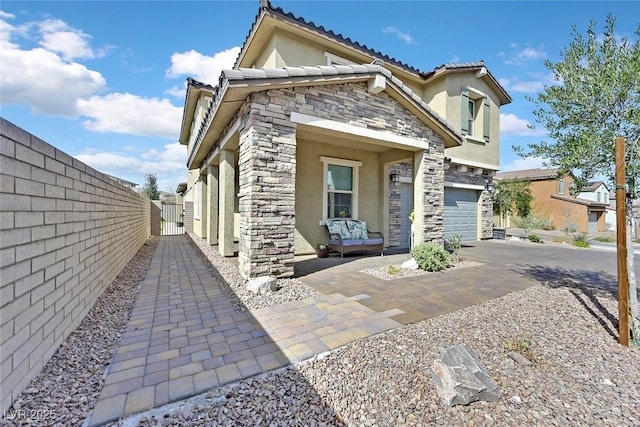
pixel 310 133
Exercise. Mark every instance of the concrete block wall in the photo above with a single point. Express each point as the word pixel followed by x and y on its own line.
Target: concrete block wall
pixel 66 231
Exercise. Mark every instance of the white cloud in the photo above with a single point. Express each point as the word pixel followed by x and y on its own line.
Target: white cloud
pixel 205 69
pixel 520 55
pixel 168 164
pixel 510 124
pixel 44 82
pixel 131 114
pixel 57 36
pixel 40 78
pixel 177 91
pixel 524 163
pixel 536 83
pixel 405 36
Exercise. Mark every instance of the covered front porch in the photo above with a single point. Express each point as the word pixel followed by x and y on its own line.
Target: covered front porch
pixel 293 157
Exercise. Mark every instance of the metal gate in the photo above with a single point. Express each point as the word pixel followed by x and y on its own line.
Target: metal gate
pixel 172 221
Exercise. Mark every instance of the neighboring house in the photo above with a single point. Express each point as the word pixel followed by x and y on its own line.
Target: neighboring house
pixel 552 198
pixel 310 125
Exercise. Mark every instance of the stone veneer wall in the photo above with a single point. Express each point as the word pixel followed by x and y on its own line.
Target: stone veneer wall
pixel 267 164
pixel 267 167
pixel 452 175
pixel 66 231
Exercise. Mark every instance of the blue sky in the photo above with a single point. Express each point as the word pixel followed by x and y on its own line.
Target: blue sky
pixel 104 81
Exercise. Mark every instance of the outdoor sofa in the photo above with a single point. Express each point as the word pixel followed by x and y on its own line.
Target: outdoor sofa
pixel 350 235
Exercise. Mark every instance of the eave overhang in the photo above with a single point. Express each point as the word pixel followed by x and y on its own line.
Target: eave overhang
pixel 237 84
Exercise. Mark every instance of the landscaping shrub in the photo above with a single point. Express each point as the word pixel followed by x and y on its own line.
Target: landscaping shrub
pixel 535 238
pixel 431 257
pixel 570 227
pixel 454 247
pixel 581 240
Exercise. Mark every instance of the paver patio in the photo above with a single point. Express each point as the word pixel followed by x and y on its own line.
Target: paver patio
pixel 184 337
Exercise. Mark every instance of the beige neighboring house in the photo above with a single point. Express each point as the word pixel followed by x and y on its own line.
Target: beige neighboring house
pixel 310 125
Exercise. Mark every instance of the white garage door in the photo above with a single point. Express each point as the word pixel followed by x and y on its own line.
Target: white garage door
pixel 461 213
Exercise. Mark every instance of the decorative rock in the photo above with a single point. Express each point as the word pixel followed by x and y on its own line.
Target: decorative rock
pixel 460 378
pixel 411 264
pixel 262 285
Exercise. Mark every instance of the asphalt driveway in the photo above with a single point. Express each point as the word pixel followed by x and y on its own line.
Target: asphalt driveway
pixel 506 266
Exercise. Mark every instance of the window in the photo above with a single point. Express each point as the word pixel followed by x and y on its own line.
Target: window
pixel 598 196
pixel 340 195
pixel 337 60
pixel 606 198
pixel 475 115
pixel 561 186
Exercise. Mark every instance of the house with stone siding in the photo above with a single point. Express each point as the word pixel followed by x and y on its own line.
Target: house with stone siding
pixel 309 125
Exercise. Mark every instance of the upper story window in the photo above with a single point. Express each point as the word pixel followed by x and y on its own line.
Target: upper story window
pixel 340 195
pixel 476 114
pixel 337 60
pixel 561 186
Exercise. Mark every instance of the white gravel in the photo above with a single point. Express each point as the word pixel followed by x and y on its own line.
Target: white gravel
pixel 235 287
pixel 580 374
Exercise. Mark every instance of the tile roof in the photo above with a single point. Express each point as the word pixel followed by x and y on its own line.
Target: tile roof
pixel 331 70
pixel 585 202
pixel 593 186
pixel 307 75
pixel 266 5
pixel 528 174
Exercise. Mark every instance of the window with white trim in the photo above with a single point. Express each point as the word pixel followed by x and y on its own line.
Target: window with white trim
pixel 561 186
pixel 337 60
pixel 475 115
pixel 340 188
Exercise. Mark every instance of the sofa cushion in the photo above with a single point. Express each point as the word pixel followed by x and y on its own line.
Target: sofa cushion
pixel 358 229
pixel 375 241
pixel 348 242
pixel 338 226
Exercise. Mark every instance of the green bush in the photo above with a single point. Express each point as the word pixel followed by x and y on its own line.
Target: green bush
pixel 454 246
pixel 570 227
pixel 535 238
pixel 581 240
pixel 431 257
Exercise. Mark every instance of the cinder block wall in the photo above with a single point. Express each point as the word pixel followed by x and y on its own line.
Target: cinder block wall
pixel 66 231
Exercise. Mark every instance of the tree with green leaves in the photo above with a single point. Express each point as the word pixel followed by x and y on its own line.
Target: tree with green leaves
pixel 512 196
pixel 596 99
pixel 151 187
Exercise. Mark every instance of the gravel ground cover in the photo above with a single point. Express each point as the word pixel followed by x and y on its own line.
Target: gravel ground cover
pixel 235 288
pixel 570 370
pixel 65 391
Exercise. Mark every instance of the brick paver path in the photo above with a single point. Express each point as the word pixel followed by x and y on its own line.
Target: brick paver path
pixel 184 337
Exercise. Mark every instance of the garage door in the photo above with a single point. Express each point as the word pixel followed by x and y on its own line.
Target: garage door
pixel 461 213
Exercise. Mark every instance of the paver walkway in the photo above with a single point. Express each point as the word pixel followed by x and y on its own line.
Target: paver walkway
pixel 184 337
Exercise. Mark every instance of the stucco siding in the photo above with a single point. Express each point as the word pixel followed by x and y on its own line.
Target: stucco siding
pixel 488 153
pixel 309 191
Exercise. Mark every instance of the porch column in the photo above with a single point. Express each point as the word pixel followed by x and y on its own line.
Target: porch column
pixel 226 198
pixel 267 196
pixel 212 203
pixel 428 196
pixel 202 229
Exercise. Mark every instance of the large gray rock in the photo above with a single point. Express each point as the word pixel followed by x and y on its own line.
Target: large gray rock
pixel 262 285
pixel 460 378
